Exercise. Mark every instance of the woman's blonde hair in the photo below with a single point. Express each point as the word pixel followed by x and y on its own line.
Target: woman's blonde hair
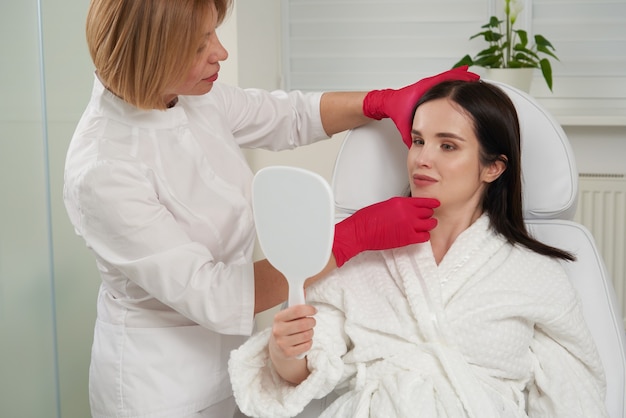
pixel 142 47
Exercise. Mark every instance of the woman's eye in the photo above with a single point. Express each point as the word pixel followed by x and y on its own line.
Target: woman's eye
pixel 447 147
pixel 418 141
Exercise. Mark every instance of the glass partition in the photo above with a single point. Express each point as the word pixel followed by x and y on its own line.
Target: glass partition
pixel 48 279
pixel 28 372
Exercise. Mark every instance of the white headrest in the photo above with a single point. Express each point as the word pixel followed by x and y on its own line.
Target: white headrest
pixel 371 164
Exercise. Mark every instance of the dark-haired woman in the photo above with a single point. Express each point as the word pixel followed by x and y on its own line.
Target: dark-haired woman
pixel 481 321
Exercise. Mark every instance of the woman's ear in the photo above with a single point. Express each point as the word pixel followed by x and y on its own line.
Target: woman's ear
pixel 495 169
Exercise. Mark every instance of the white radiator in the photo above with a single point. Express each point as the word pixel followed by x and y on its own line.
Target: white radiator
pixel 602 209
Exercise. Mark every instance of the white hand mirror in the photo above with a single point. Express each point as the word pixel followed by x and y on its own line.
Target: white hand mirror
pixel 294 217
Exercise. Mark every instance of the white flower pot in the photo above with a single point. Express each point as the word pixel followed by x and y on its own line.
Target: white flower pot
pixel 520 78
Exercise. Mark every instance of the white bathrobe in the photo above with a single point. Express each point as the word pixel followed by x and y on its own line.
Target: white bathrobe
pixel 492 331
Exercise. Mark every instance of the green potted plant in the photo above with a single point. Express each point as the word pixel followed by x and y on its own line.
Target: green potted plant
pixel 509 47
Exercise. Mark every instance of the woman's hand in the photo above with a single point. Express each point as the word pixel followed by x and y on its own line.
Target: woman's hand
pixel 292 336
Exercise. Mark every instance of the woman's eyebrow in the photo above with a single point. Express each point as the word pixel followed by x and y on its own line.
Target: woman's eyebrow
pixel 440 135
pixel 450 135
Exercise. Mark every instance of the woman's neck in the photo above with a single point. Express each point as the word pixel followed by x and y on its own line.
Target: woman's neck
pixel 449 226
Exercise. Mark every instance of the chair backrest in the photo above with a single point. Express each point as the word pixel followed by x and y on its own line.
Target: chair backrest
pixel 371 164
pixel 371 167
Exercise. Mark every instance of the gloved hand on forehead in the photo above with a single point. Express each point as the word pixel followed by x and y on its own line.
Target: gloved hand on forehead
pixel 392 223
pixel 399 104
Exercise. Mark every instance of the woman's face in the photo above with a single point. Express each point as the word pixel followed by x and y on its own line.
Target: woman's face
pixel 443 161
pixel 204 72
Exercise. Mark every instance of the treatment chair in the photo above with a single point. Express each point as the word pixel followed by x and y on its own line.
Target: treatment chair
pixel 371 167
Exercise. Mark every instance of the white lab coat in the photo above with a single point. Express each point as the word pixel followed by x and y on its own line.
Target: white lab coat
pixel 162 198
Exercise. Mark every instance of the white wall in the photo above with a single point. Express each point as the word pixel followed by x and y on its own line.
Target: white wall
pixel 259 55
pixel 599 149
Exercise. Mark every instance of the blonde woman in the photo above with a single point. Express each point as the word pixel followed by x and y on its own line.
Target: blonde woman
pixel 157 185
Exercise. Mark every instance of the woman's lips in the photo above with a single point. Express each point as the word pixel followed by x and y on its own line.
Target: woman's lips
pixel 421 180
pixel 212 78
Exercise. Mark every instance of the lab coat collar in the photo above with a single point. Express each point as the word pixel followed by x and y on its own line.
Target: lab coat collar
pixel 117 109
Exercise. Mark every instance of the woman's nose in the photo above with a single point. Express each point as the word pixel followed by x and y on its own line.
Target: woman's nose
pixel 218 53
pixel 423 156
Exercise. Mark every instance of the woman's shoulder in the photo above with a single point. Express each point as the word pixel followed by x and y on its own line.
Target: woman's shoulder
pixel 535 261
pixel 545 276
pixel 222 94
pixel 355 276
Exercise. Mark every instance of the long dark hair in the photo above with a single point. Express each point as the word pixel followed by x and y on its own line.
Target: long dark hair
pixel 497 128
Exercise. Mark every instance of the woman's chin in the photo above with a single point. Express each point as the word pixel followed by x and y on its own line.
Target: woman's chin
pixel 423 195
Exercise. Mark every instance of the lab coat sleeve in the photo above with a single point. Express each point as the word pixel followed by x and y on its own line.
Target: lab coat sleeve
pixel 275 120
pixel 139 237
pixel 261 392
pixel 568 375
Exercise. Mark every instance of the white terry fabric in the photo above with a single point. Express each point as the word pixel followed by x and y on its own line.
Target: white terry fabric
pixel 163 200
pixel 493 331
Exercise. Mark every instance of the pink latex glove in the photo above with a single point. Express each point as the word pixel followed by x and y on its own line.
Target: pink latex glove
pixel 400 104
pixel 392 223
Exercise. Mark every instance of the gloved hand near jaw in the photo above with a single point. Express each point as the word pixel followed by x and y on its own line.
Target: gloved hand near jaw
pixel 400 104
pixel 392 223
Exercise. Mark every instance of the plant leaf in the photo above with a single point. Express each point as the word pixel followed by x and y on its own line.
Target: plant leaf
pixel 494 22
pixel 523 37
pixel 466 60
pixel 546 70
pixel 522 60
pixel 489 61
pixel 541 41
pixel 529 53
pixel 492 50
pixel 489 36
pixel 542 48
